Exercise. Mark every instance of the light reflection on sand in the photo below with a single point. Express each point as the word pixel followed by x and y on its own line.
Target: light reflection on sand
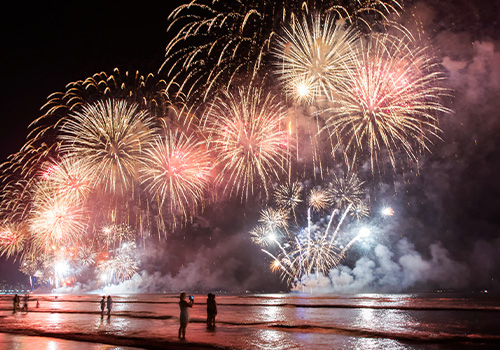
pixel 24 342
pixel 279 321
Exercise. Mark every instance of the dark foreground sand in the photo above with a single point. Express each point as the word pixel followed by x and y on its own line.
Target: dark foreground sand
pixel 88 342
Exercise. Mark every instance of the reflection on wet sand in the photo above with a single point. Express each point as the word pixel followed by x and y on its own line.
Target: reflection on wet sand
pixel 259 321
pixel 25 342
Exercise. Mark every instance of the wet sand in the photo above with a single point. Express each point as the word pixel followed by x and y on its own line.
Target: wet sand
pixel 258 322
pixel 51 341
pixel 16 341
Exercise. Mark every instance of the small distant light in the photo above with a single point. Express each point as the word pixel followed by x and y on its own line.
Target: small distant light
pixel 364 232
pixel 388 211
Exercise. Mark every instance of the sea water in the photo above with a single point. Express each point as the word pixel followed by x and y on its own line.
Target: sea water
pixel 268 321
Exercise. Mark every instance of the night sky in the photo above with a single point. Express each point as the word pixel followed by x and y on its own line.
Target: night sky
pixel 446 229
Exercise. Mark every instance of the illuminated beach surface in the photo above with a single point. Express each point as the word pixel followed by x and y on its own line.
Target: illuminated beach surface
pixel 15 341
pixel 257 321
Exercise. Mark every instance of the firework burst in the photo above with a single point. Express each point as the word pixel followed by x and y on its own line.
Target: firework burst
pixel 248 136
pixel 177 173
pixel 318 199
pixel 288 197
pixel 347 189
pixel 55 219
pixel 68 178
pixel 274 218
pixel 12 240
pixel 43 143
pixel 313 57
pixel 317 245
pixel 109 138
pixel 219 43
pixel 113 234
pixel 390 104
pixel 121 266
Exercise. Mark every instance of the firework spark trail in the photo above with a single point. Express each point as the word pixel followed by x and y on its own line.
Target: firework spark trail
pixel 342 218
pixel 113 234
pixel 16 198
pixel 301 251
pixel 288 197
pixel 248 137
pixel 177 173
pixel 120 266
pixel 147 91
pixel 391 102
pixel 55 220
pixel 313 57
pixel 109 138
pixel 12 240
pixel 217 44
pixel 68 178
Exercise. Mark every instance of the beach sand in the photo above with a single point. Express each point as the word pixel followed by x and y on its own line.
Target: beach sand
pixel 17 341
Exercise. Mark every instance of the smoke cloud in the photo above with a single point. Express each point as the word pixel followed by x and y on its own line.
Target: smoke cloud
pixel 393 270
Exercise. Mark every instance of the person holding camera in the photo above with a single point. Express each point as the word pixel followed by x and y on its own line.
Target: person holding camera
pixel 184 318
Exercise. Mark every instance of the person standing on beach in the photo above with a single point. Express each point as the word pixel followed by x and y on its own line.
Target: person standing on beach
pixel 16 302
pixel 184 317
pixel 109 304
pixel 211 310
pixel 103 305
pixel 25 306
pixel 208 309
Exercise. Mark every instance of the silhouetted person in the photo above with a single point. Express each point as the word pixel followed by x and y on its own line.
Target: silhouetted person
pixel 15 301
pixel 103 305
pixel 109 304
pixel 209 295
pixel 25 299
pixel 211 310
pixel 184 317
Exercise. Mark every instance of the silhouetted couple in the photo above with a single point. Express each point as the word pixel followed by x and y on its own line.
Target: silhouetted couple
pixel 106 302
pixel 184 316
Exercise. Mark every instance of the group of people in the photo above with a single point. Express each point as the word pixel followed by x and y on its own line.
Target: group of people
pixel 17 302
pixel 184 316
pixel 184 306
pixel 106 302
